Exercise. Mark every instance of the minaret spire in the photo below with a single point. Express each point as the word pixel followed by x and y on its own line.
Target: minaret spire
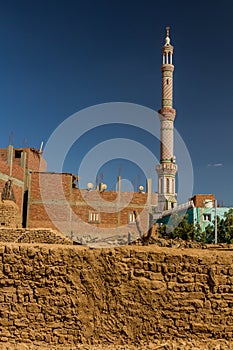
pixel 167 39
pixel 167 168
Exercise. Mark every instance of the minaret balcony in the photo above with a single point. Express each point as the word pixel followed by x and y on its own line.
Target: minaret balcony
pixel 166 168
pixel 167 113
pixel 167 67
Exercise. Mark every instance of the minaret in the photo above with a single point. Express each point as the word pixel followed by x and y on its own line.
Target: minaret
pixel 167 168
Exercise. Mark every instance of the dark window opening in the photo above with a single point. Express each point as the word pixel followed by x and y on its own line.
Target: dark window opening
pixel 3 223
pixel 168 186
pixel 167 81
pixel 18 153
pixel 207 217
pixel 25 208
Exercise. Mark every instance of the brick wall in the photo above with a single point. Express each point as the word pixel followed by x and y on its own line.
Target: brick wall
pixel 34 160
pixel 199 199
pixel 70 295
pixel 4 167
pixel 15 165
pixel 71 208
pixel 3 154
pixel 15 171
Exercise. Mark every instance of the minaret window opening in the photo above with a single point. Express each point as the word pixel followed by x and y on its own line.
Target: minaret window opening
pixel 161 185
pixel 167 81
pixel 167 58
pixel 168 186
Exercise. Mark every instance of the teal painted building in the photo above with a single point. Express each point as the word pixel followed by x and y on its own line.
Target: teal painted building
pixel 201 216
pixel 199 210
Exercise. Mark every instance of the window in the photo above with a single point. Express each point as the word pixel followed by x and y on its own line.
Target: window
pixel 167 81
pixel 94 217
pixel 207 217
pixel 161 186
pixel 168 186
pixel 173 186
pixel 131 218
pixel 18 153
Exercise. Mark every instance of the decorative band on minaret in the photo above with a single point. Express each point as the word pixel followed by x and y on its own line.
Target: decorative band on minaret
pixel 167 168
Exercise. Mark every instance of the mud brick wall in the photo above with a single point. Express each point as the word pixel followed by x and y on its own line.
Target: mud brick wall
pixel 42 235
pixel 69 295
pixel 9 214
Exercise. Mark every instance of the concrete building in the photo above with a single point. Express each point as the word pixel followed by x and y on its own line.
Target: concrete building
pixel 200 209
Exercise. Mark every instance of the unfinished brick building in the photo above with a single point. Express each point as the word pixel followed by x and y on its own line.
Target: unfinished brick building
pixel 53 200
pixel 16 165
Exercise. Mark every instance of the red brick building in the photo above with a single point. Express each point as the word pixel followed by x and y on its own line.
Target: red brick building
pixel 201 200
pixel 16 164
pixel 53 200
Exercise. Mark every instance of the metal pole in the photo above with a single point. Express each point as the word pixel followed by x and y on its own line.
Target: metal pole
pixel 129 237
pixel 215 225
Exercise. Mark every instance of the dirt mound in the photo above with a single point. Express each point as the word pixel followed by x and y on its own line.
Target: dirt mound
pixel 170 243
pixel 179 243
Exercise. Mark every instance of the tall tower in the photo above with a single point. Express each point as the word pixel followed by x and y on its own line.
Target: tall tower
pixel 167 168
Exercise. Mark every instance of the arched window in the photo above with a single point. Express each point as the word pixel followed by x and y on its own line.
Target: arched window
pixel 167 81
pixel 164 58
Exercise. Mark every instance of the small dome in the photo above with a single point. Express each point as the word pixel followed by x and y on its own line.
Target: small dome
pixel 167 41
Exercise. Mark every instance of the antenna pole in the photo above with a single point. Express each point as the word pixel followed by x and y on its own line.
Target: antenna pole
pixel 11 138
pixel 41 146
pixel 215 224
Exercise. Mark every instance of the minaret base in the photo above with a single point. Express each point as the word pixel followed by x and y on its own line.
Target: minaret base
pixel 166 202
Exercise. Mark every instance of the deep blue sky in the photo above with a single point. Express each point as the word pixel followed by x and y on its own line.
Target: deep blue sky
pixel 58 57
